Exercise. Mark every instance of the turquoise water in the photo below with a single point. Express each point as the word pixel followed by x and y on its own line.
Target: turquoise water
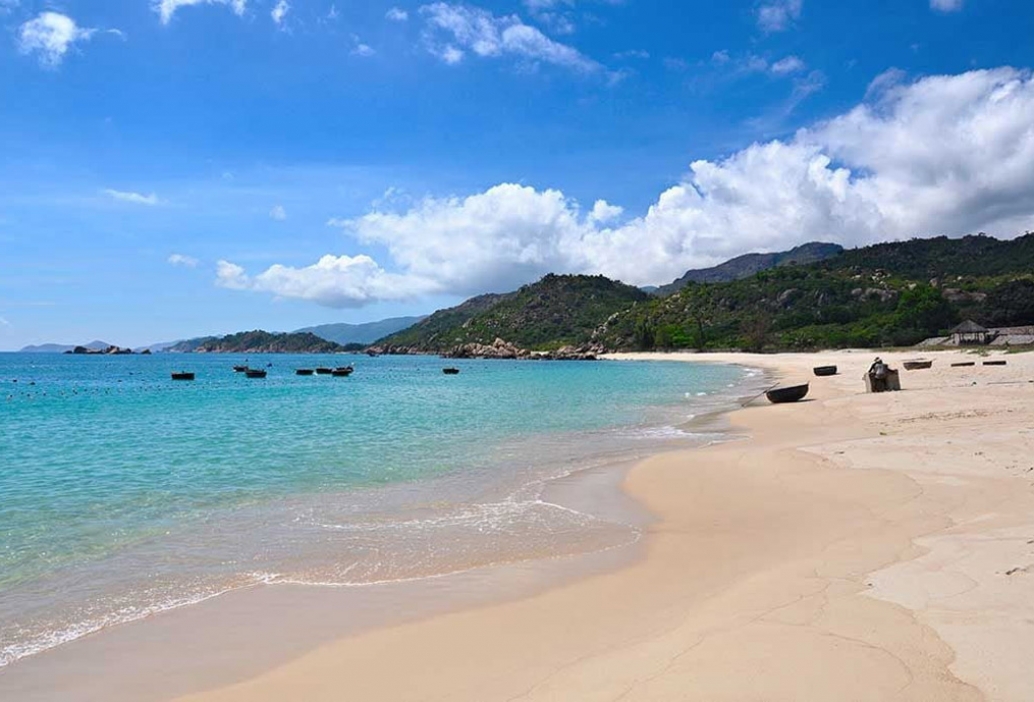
pixel 124 493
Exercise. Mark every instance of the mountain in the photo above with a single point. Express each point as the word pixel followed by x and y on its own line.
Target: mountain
pixel 748 264
pixel 258 341
pixel 888 294
pixel 360 333
pixel 556 311
pixel 61 348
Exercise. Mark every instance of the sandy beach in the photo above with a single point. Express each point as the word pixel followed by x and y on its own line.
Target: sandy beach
pixel 848 547
pixel 855 547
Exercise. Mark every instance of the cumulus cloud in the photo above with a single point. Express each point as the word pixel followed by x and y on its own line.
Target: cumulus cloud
pixel 778 15
pixel 278 213
pixel 790 64
pixel 50 36
pixel 454 30
pixel 279 12
pixel 183 260
pixel 364 50
pixel 167 8
pixel 397 14
pixel 940 155
pixel 946 5
pixel 333 281
pixel 135 198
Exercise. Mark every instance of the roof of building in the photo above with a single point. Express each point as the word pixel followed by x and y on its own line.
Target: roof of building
pixel 969 327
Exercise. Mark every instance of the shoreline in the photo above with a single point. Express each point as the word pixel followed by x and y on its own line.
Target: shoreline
pixel 810 561
pixel 143 645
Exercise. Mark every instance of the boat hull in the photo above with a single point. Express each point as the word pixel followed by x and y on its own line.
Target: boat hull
pixel 793 393
pixel 825 370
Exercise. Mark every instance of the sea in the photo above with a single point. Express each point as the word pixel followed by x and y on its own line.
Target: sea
pixel 124 493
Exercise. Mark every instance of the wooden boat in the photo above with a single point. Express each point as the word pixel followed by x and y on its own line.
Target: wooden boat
pixel 255 373
pixel 240 369
pixel 342 372
pixel 917 365
pixel 995 363
pixel 182 375
pixel 792 393
pixel 963 364
pixel 324 371
pixel 304 371
pixel 825 370
pixel 450 371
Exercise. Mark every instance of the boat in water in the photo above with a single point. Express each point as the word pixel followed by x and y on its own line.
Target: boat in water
pixel 183 375
pixel 240 369
pixel 792 393
pixel 304 371
pixel 343 371
pixel 450 371
pixel 255 373
pixel 324 371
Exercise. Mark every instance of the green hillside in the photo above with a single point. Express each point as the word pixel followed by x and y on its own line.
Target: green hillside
pixel 888 294
pixel 258 342
pixel 556 311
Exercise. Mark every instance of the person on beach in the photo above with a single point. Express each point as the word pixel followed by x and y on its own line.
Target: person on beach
pixel 878 374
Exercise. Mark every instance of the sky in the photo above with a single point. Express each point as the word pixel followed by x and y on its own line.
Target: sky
pixel 177 168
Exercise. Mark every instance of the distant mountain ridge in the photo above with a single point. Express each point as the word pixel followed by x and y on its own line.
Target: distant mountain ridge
pixel 749 264
pixel 365 333
pixel 61 348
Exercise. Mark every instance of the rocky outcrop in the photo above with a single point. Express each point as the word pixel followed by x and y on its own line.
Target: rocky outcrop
pixel 501 349
pixel 110 351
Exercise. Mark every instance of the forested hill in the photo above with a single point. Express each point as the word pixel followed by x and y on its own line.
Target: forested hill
pixel 887 294
pixel 258 342
pixel 556 311
pixel 748 264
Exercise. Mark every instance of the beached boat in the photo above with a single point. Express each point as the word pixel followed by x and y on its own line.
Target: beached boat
pixel 917 365
pixel 240 369
pixel 450 371
pixel 255 373
pixel 994 363
pixel 182 375
pixel 304 371
pixel 792 393
pixel 963 364
pixel 825 370
pixel 324 371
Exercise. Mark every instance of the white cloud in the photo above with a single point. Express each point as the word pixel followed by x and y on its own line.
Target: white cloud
pixel 167 8
pixel 183 260
pixel 604 212
pixel 397 14
pixel 633 54
pixel 334 281
pixel 489 36
pixel 941 155
pixel 946 5
pixel 4 322
pixel 279 12
pixel 50 36
pixel 135 198
pixel 785 66
pixel 777 15
pixel 278 213
pixel 364 50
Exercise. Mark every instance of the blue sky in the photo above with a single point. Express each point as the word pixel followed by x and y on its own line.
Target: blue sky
pixel 187 167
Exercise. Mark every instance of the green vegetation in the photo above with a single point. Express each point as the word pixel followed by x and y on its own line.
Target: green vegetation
pixel 558 310
pixel 894 294
pixel 259 342
pixel 885 295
